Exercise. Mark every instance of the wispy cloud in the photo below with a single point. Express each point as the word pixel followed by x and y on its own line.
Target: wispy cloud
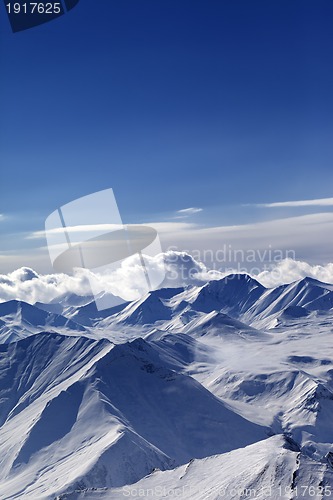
pixel 172 227
pixel 321 202
pixel 309 236
pixel 185 212
pixel 88 228
pixel 162 227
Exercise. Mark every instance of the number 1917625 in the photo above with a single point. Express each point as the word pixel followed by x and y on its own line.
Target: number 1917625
pixel 34 8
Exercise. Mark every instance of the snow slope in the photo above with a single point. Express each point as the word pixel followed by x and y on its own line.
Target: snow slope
pixel 269 469
pixel 106 414
pixel 19 319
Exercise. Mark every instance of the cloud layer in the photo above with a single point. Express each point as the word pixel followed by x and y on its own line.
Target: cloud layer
pixel 181 270
pixel 309 237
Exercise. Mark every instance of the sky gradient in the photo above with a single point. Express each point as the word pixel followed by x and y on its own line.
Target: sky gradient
pixel 220 105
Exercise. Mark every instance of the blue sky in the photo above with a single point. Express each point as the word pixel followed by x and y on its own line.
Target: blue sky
pixel 216 104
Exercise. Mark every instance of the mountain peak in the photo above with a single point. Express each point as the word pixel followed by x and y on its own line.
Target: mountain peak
pixel 309 281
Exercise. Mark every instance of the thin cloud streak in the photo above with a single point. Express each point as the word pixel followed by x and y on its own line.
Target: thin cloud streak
pixel 163 227
pixel 74 229
pixel 189 211
pixel 321 202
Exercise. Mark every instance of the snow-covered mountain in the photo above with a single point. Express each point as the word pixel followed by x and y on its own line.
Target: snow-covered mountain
pixel 19 319
pixel 272 468
pixel 223 387
pixel 238 296
pixel 115 410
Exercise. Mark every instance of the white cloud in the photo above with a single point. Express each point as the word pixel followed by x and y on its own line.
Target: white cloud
pixel 284 272
pixel 321 202
pixel 24 284
pixel 163 227
pixel 309 236
pixel 306 237
pixel 29 286
pixel 171 227
pixel 288 270
pixel 182 269
pixel 185 212
pixel 75 229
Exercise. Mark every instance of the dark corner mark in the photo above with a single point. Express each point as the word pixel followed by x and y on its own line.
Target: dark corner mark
pixel 27 14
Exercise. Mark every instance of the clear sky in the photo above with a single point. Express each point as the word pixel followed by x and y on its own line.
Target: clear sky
pixel 215 104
